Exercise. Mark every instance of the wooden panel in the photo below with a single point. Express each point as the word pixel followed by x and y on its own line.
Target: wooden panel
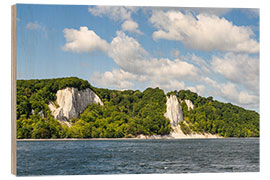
pixel 13 90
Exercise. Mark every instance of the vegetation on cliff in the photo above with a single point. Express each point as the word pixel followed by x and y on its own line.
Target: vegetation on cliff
pixel 216 117
pixel 125 113
pixel 34 119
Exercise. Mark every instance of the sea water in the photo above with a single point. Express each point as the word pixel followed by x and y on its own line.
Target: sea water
pixel 137 156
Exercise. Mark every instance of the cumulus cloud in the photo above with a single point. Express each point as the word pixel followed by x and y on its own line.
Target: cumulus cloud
pixel 128 53
pixel 238 68
pixel 131 56
pixel 167 84
pixel 83 40
pixel 176 68
pixel 131 26
pixel 118 79
pixel 138 66
pixel 210 82
pixel 118 13
pixel 203 32
pixel 198 89
pixel 232 93
pixel 133 60
pixel 113 12
pixel 229 91
pixel 248 99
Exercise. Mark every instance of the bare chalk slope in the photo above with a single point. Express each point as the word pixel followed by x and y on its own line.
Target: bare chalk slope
pixel 175 114
pixel 71 102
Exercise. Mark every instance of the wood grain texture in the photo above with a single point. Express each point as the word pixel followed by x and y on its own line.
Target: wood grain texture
pixel 13 89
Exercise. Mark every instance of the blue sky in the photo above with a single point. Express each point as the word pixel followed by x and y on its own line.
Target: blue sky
pixel 214 52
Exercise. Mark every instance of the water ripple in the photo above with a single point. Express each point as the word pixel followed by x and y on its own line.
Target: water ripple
pixel 137 156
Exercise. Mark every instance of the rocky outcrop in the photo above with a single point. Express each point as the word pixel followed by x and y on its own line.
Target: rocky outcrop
pixel 174 111
pixel 189 104
pixel 71 102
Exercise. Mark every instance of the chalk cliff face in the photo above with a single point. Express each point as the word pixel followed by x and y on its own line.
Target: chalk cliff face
pixel 174 111
pixel 71 102
pixel 189 104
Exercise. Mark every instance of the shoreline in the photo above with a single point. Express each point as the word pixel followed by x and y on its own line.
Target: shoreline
pixel 104 139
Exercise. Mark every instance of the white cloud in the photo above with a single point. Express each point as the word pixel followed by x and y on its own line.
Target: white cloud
pixel 128 53
pixel 132 57
pixel 174 84
pixel 137 66
pixel 33 26
pixel 131 26
pixel 167 84
pixel 247 99
pixel 230 92
pixel 172 69
pixel 164 73
pixel 136 62
pixel 200 62
pixel 238 68
pixel 117 79
pixel 209 11
pixel 210 81
pixel 192 10
pixel 83 40
pixel 118 13
pixel 203 32
pixel 175 53
pixel 113 12
pixel 198 89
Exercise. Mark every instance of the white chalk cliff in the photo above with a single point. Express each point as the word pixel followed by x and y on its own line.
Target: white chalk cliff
pixel 71 102
pixel 189 104
pixel 175 114
pixel 174 111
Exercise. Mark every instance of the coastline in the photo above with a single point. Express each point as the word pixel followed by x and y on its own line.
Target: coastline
pixel 105 139
pixel 135 138
pixel 113 139
pixel 175 134
pixel 101 139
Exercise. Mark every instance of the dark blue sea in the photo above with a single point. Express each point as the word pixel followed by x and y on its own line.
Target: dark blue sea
pixel 137 156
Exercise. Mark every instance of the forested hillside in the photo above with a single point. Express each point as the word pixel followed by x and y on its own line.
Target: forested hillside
pixel 216 117
pixel 125 113
pixel 34 119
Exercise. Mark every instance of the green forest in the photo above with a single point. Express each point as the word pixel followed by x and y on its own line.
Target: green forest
pixel 125 113
pixel 224 119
